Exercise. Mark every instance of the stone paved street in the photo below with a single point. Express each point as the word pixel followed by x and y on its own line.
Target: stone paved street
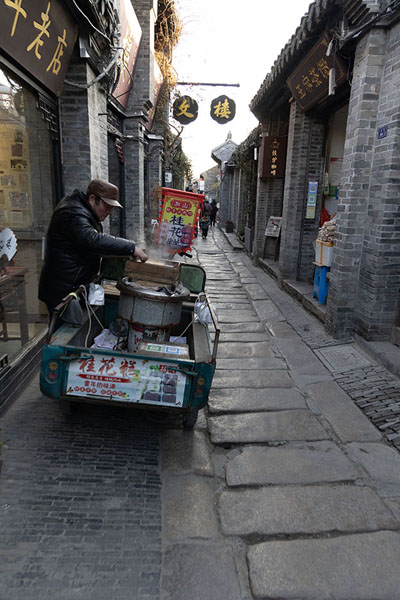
pixel 285 489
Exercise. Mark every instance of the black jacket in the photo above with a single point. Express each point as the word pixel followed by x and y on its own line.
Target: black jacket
pixel 74 244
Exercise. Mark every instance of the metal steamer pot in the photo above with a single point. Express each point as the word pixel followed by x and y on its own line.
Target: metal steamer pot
pixel 154 310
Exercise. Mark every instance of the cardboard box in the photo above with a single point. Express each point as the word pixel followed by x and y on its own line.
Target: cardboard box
pixel 323 253
pixel 154 272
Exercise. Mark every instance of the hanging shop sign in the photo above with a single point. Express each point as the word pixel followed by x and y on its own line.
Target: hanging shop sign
pixel 272 161
pixel 131 34
pixel 311 199
pixel 223 109
pixel 40 35
pixel 309 82
pixel 158 81
pixel 185 110
pixel 178 219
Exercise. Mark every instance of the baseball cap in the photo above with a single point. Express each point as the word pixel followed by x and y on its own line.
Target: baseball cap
pixel 104 190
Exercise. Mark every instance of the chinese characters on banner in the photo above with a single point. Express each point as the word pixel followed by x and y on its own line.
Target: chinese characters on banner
pixel 272 161
pixel 178 218
pixel 124 379
pixel 223 109
pixel 40 35
pixel 131 34
pixel 309 82
pixel 185 110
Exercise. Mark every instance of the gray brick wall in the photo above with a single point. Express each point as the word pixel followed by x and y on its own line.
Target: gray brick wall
pixel 364 274
pixel 83 128
pixel 304 163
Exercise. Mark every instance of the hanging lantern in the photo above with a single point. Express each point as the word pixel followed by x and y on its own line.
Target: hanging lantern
pixel 223 109
pixel 185 110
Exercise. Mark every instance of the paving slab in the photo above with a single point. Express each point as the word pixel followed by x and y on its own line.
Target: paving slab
pixel 317 462
pixel 254 327
pixel 252 379
pixel 184 451
pixel 268 311
pixel 382 464
pixel 300 357
pixel 231 305
pixel 354 567
pixel 244 350
pixel 237 316
pixel 256 292
pixel 251 363
pixel 348 422
pixel 281 329
pixel 288 425
pixel 254 400
pixel 256 336
pixel 188 508
pixel 204 572
pixel 300 510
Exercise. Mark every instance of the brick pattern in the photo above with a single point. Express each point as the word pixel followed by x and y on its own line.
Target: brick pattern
pixel 81 505
pixel 364 276
pixel 304 163
pixel 84 129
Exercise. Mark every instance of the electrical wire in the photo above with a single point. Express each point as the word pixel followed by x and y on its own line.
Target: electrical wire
pixel 91 24
pixel 86 86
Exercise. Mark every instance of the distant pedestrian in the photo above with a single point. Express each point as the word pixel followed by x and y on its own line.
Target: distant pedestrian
pixel 207 208
pixel 204 225
pixel 213 213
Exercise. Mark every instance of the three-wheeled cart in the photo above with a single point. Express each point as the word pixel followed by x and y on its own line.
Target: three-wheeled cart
pixel 157 375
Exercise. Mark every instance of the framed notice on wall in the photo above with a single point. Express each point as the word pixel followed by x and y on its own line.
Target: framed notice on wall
pixel 311 205
pixel 273 227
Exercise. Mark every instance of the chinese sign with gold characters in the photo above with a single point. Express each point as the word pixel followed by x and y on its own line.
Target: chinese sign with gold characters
pixel 126 379
pixel 40 35
pixel 223 109
pixel 131 34
pixel 185 110
pixel 178 219
pixel 272 161
pixel 309 82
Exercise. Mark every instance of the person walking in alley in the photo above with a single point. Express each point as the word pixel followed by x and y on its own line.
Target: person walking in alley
pixel 204 225
pixel 213 213
pixel 75 242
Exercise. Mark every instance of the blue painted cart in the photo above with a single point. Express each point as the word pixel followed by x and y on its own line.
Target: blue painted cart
pixel 73 372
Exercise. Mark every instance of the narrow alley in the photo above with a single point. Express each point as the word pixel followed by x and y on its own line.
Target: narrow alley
pixel 284 489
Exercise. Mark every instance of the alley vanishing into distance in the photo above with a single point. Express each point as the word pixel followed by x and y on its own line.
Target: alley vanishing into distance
pixel 284 489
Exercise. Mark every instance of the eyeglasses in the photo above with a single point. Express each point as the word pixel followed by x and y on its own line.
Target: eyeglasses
pixel 105 203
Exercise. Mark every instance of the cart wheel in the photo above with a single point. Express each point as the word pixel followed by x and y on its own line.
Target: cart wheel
pixel 189 420
pixel 67 407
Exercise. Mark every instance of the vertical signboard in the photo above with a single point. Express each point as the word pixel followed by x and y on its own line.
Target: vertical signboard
pixel 272 161
pixel 131 34
pixel 178 219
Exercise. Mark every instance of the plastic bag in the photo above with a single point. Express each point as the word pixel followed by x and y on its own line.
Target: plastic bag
pixel 96 294
pixel 201 311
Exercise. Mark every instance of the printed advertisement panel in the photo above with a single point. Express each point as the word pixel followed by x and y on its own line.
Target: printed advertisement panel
pixel 178 219
pixel 126 379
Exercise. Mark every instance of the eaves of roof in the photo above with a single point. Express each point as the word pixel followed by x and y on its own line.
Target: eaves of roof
pixel 357 12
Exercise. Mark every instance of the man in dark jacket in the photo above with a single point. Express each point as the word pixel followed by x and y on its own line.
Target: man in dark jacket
pixel 75 242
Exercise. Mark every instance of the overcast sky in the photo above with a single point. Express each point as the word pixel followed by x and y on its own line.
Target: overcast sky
pixel 234 41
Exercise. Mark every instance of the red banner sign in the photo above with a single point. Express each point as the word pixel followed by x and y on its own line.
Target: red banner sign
pixel 178 219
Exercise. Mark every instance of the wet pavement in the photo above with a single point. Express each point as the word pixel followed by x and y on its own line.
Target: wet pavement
pixel 284 489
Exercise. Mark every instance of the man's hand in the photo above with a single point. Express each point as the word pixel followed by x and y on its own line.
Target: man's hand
pixel 140 254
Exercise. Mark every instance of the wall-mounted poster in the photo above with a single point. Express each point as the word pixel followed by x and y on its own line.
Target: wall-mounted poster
pixel 15 194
